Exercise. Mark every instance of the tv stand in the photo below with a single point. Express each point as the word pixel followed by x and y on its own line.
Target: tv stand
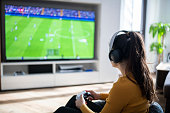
pixel 47 74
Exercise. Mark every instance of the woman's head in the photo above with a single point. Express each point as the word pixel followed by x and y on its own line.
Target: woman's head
pixel 119 49
pixel 129 47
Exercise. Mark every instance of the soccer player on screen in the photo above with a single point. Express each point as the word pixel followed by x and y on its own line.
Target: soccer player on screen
pixel 31 37
pixel 59 46
pixel 34 25
pixel 12 30
pixel 15 38
pixel 16 28
pixel 29 43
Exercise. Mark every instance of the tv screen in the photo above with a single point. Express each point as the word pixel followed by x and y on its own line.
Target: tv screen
pixel 44 33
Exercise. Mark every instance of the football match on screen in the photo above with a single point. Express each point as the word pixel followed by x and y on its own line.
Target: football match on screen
pixel 48 33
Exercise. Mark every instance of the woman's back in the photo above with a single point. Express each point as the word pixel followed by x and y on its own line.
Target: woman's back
pixel 135 101
pixel 125 97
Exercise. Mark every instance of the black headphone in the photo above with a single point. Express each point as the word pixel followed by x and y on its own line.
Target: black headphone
pixel 116 55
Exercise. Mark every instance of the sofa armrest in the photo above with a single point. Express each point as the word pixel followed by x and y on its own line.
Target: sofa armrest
pixel 166 88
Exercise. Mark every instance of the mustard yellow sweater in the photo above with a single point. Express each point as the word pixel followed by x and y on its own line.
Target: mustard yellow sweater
pixel 124 97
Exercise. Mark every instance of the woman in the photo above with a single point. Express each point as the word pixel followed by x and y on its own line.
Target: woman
pixel 133 92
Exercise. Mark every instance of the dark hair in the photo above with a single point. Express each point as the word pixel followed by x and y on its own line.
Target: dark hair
pixel 132 46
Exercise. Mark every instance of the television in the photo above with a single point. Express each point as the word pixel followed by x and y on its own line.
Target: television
pixel 41 31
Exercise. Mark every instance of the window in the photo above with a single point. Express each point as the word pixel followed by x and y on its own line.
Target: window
pixel 133 14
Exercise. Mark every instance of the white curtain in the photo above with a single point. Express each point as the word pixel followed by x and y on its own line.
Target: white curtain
pixel 131 15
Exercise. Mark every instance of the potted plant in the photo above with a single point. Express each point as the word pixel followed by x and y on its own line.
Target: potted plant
pixel 159 30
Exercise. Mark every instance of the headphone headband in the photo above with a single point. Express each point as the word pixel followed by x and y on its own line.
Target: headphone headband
pixel 113 38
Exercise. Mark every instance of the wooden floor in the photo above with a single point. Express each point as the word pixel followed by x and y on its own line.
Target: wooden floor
pixel 47 100
pixel 43 100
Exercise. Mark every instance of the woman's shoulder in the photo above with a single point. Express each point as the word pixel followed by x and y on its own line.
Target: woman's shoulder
pixel 126 84
pixel 124 81
pixel 124 88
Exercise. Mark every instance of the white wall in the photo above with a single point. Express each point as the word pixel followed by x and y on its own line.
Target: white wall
pixel 164 16
pixel 110 23
pixel 157 11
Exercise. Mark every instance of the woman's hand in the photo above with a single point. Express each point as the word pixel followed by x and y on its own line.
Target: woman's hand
pixel 80 102
pixel 94 94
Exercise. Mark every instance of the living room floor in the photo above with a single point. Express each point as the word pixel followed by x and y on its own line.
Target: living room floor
pixel 47 100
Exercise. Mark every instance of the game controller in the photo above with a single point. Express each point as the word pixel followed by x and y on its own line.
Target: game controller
pixel 85 95
pixel 19 73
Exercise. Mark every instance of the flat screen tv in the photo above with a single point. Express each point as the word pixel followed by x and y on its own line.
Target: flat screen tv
pixel 47 31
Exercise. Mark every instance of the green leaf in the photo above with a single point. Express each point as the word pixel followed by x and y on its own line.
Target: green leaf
pixel 159 35
pixel 160 50
pixel 151 29
pixel 160 29
pixel 152 46
pixel 155 46
pixel 165 29
pixel 155 30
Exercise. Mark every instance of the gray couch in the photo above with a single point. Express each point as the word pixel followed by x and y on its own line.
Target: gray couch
pixel 166 91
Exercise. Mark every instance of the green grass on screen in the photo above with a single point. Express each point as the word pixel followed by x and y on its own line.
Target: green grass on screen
pixel 39 38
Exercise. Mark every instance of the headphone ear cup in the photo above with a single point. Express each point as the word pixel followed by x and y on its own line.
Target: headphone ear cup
pixel 115 55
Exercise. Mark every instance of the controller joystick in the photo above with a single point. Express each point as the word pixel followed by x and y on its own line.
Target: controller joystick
pixel 85 95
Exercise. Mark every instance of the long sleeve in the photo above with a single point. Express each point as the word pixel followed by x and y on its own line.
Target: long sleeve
pixel 117 100
pixel 85 109
pixel 103 96
pixel 124 97
pixel 114 103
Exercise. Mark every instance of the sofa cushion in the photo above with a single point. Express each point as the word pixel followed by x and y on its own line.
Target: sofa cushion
pixel 155 108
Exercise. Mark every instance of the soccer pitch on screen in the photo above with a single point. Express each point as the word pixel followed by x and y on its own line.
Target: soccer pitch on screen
pixel 44 38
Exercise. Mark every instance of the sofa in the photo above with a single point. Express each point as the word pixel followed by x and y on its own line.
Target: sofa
pixel 166 91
